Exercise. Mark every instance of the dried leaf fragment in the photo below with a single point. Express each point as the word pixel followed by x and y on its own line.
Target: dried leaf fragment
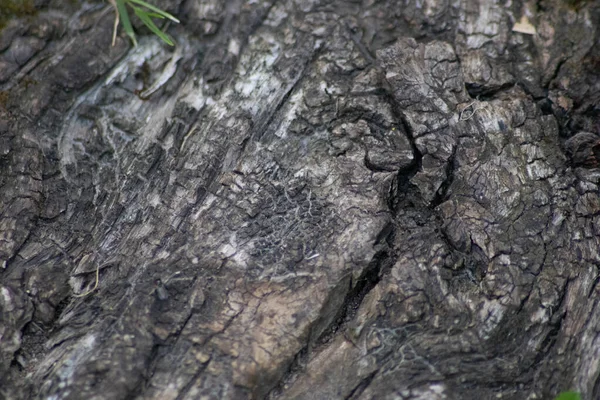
pixel 524 26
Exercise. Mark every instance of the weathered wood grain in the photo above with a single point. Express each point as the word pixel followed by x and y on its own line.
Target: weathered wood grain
pixel 301 200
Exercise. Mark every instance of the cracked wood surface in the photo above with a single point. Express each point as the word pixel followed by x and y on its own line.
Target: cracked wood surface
pixel 301 200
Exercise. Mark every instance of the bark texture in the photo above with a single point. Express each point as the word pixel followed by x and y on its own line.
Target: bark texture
pixel 304 199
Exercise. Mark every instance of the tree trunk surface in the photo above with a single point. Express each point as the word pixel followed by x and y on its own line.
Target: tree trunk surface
pixel 304 199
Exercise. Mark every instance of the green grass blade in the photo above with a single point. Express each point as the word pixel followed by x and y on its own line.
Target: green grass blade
pixel 152 26
pixel 124 16
pixel 155 15
pixel 155 9
pixel 569 396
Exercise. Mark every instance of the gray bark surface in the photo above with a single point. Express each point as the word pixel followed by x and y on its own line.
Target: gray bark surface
pixel 303 199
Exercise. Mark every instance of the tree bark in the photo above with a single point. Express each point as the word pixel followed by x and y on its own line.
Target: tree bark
pixel 301 200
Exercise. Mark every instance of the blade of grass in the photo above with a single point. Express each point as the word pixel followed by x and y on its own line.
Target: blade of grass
pixel 152 26
pixel 568 396
pixel 125 20
pixel 155 9
pixel 155 15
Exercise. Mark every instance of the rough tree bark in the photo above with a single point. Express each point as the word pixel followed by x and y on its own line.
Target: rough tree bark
pixel 301 200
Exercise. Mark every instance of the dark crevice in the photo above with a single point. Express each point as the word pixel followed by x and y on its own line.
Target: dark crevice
pixel 486 93
pixel 188 386
pixel 364 51
pixel 525 299
pixel 545 106
pixel 146 375
pixel 364 284
pixel 547 344
pixel 594 284
pixel 370 166
pixel 465 265
pixel 386 235
pixel 405 192
pixel 160 348
pixel 60 307
pixel 529 92
pixel 296 367
pixel 16 363
pixel 441 194
pixel 367 281
pixel 362 385
pixel 555 329
pixel 258 132
pixel 157 159
pixel 555 72
pixel 262 129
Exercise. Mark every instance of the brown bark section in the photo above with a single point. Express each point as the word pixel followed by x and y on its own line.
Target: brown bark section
pixel 303 200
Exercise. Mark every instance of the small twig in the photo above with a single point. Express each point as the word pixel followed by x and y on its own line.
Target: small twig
pixel 95 285
pixel 116 24
pixel 469 115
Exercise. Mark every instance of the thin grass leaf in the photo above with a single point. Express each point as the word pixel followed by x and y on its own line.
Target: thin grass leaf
pixel 152 26
pixel 155 15
pixel 569 396
pixel 124 16
pixel 155 9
